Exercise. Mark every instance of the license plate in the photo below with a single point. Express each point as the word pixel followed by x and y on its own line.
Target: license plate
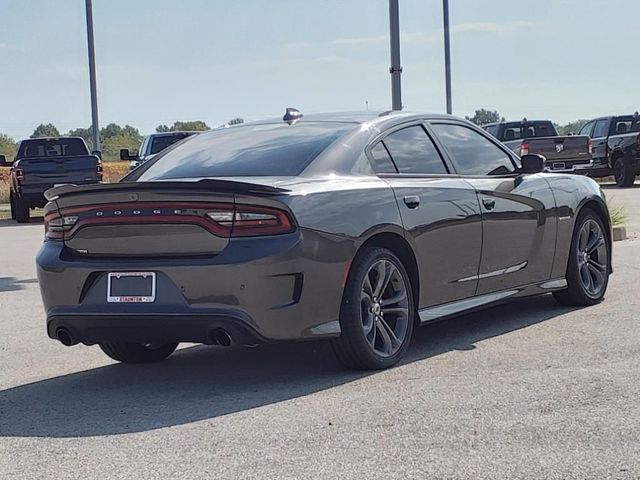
pixel 558 166
pixel 131 287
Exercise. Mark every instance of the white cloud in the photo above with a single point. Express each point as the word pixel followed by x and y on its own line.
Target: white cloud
pixel 504 29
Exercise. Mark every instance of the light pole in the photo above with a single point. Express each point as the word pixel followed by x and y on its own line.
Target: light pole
pixel 92 77
pixel 396 69
pixel 447 54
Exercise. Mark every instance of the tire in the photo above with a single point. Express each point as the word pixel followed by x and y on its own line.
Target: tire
pixel 21 210
pixel 12 205
pixel 583 266
pixel 375 334
pixel 623 172
pixel 137 353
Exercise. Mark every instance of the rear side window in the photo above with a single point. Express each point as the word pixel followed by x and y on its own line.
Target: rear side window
pixel 413 151
pixel 382 162
pixel 602 129
pixel 252 150
pixel 492 129
pixel 472 153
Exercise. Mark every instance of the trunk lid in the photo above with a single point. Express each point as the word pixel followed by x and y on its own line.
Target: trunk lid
pixel 150 219
pixel 559 149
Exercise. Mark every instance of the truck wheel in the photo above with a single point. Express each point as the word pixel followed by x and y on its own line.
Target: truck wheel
pixel 378 314
pixel 623 172
pixel 12 205
pixel 588 267
pixel 21 209
pixel 137 353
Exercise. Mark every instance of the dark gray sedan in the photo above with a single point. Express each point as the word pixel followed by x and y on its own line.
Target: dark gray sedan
pixel 351 227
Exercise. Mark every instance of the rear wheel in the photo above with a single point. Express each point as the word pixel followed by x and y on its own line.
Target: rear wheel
pixel 21 210
pixel 588 267
pixel 377 314
pixel 137 353
pixel 623 172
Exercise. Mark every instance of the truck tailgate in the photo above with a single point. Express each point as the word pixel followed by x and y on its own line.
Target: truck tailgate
pixel 45 172
pixel 561 149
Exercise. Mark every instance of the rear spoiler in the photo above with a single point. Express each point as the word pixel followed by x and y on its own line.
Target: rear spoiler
pixel 204 184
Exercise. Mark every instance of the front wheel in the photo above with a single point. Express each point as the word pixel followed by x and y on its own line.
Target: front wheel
pixel 623 173
pixel 137 353
pixel 377 314
pixel 588 268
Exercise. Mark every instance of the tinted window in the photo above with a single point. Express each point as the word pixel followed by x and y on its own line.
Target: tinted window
pixel 54 147
pixel 517 130
pixel 413 151
pixel 260 150
pixel 492 129
pixel 602 128
pixel 160 143
pixel 626 124
pixel 587 129
pixel 472 153
pixel 382 162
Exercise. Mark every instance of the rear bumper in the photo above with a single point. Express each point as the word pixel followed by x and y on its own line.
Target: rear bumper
pixel 285 287
pixel 569 166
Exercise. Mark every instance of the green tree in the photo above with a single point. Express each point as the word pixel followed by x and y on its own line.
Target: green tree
pixel 235 121
pixel 111 146
pixel 7 146
pixel 192 126
pixel 48 130
pixel 483 117
pixel 571 127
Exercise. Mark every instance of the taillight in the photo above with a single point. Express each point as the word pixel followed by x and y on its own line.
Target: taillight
pixel 100 171
pixel 19 175
pixel 221 219
pixel 524 149
pixel 590 147
pixel 55 225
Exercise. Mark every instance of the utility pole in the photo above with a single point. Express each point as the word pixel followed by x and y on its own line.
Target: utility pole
pixel 396 69
pixel 447 54
pixel 92 77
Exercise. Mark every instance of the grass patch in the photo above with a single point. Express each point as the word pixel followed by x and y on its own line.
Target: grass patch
pixel 618 216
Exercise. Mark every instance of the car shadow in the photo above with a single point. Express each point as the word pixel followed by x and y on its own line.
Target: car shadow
pixel 7 222
pixel 12 284
pixel 201 383
pixel 613 186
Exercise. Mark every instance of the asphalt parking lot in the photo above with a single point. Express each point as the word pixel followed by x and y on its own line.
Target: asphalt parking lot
pixel 528 390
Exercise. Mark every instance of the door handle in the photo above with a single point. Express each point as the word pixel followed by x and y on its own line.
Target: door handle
pixel 412 201
pixel 489 203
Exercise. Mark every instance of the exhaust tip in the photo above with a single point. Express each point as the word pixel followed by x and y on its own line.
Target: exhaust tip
pixel 222 338
pixel 65 337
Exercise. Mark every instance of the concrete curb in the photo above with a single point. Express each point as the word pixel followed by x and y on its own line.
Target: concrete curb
pixel 619 233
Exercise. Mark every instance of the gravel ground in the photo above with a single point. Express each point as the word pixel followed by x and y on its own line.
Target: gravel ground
pixel 528 390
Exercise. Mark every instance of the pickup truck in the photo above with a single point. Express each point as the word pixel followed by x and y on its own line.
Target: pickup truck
pixel 151 146
pixel 42 163
pixel 616 147
pixel 568 154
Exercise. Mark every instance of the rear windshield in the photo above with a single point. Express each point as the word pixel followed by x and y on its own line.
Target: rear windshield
pixel 252 150
pixel 52 147
pixel 517 130
pixel 160 143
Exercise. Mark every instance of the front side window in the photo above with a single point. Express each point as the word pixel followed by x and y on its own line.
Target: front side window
pixel 161 142
pixel 471 152
pixel 413 151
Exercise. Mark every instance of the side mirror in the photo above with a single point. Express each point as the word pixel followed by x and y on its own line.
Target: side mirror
pixel 3 162
pixel 97 153
pixel 532 163
pixel 125 154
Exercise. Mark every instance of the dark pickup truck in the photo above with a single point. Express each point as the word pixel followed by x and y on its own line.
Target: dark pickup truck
pixel 42 163
pixel 616 147
pixel 568 154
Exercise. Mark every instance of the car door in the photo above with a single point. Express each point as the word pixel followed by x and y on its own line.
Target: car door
pixel 440 212
pixel 518 226
pixel 599 141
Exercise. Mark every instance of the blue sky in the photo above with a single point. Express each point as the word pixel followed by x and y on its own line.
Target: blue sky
pixel 164 60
